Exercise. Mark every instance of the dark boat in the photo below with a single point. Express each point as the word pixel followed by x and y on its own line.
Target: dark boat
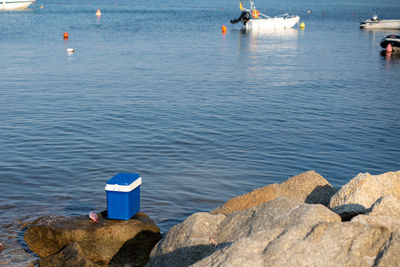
pixel 393 40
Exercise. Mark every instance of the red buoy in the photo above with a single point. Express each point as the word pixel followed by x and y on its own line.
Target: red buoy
pixel 65 35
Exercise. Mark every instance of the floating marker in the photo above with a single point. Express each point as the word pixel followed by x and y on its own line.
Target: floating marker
pixel 302 25
pixel 223 29
pixel 41 6
pixel 98 13
pixel 308 11
pixel 389 48
pixel 66 35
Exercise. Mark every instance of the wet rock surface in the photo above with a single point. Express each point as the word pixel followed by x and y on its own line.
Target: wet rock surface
pixel 114 242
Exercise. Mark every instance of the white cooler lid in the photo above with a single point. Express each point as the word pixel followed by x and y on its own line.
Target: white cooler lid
pixel 123 182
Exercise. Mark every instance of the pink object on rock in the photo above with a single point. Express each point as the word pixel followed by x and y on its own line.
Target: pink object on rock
pixel 389 48
pixel 93 216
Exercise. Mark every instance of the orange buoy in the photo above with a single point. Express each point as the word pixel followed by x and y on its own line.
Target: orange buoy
pixel 223 29
pixel 255 13
pixel 66 35
pixel 98 13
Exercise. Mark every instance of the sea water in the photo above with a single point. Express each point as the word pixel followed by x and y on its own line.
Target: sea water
pixel 155 88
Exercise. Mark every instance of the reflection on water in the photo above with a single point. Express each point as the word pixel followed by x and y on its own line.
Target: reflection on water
pixel 269 39
pixel 268 52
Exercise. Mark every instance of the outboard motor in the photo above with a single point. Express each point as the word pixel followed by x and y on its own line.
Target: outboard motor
pixel 244 17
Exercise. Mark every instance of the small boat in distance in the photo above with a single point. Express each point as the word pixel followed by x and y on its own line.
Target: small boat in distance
pixel 15 4
pixel 375 23
pixel 393 40
pixel 253 19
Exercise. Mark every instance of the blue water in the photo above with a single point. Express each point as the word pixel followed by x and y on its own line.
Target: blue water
pixel 154 87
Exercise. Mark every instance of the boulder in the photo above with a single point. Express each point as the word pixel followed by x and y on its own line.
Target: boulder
pixel 309 187
pixel 325 244
pixel 187 242
pixel 358 195
pixel 384 212
pixel 280 212
pixel 105 242
pixel 71 256
pixel 202 233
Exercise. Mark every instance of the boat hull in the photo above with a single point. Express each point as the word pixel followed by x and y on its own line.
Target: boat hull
pixel 15 4
pixel 272 23
pixel 380 24
pixel 393 40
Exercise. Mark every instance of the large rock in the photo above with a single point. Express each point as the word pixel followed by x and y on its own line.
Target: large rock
pixel 309 187
pixel 325 244
pixel 202 233
pixel 384 212
pixel 280 212
pixel 187 242
pixel 358 195
pixel 105 242
pixel 71 256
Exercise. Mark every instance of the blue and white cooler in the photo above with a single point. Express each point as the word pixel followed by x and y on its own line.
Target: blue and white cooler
pixel 123 196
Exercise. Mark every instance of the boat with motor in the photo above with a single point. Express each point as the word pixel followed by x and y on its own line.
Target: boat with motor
pixel 375 23
pixel 253 19
pixel 393 40
pixel 15 4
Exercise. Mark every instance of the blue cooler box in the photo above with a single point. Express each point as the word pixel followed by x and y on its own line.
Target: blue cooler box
pixel 123 196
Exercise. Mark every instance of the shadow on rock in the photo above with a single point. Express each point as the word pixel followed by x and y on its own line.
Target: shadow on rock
pixel 136 250
pixel 348 211
pixel 320 195
pixel 185 256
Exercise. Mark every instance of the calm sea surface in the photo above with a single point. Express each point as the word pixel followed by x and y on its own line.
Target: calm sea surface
pixel 155 88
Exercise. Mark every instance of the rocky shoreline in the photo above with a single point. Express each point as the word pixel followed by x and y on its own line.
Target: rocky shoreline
pixel 302 221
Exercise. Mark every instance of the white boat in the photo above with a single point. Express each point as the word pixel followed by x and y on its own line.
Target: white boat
pixel 253 19
pixel 15 4
pixel 375 23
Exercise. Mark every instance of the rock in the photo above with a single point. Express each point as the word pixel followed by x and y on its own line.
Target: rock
pixel 358 195
pixel 105 242
pixel 388 206
pixel 389 256
pixel 325 244
pixel 384 212
pixel 309 187
pixel 71 256
pixel 252 199
pixel 202 233
pixel 280 212
pixel 187 242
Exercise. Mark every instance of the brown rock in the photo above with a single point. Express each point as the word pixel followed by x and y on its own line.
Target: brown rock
pixel 309 187
pixel 108 241
pixel 252 199
pixel 71 256
pixel 358 195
